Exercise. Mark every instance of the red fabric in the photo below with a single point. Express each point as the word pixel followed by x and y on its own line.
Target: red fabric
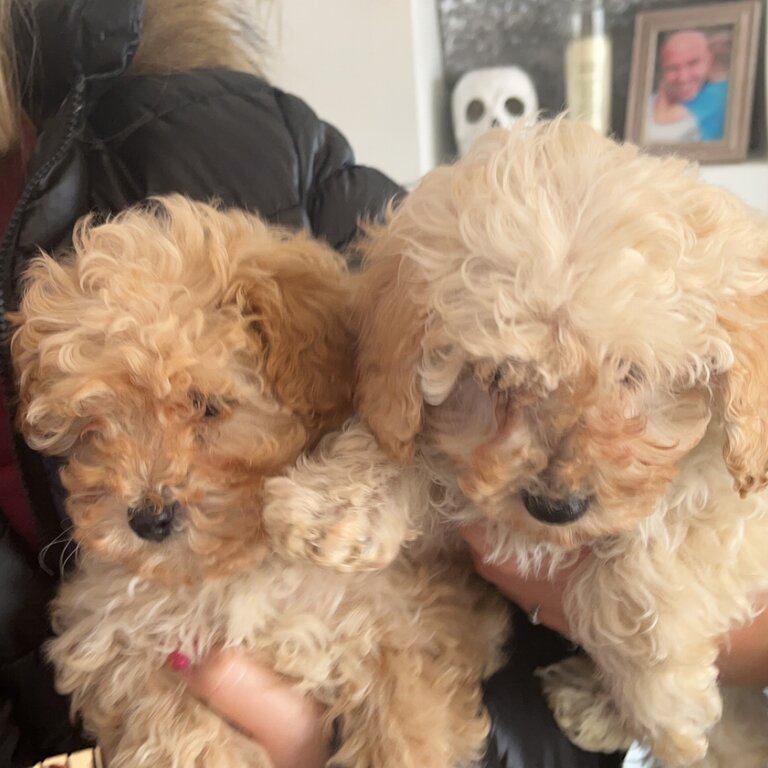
pixel 12 175
pixel 13 499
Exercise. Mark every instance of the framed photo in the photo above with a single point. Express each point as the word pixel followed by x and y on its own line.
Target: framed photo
pixel 692 81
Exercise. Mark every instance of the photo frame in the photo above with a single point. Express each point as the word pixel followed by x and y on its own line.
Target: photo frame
pixel 692 80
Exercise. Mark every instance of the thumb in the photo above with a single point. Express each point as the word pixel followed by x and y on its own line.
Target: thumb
pixel 475 534
pixel 260 703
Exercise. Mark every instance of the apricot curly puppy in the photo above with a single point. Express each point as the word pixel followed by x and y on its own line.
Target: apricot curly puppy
pixel 178 358
pixel 571 338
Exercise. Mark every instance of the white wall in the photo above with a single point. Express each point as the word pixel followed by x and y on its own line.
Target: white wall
pixel 373 68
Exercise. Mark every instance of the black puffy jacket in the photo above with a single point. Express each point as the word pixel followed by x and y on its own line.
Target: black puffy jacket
pixel 106 140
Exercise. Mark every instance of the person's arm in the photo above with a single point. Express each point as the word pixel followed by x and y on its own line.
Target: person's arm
pixel 743 660
pixel 665 112
pixel 337 194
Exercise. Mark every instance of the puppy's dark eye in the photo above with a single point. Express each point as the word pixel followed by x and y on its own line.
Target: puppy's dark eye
pixel 632 377
pixel 490 377
pixel 205 406
pixel 211 411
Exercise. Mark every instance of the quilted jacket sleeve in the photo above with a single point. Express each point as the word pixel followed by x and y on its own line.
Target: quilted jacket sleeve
pixel 336 192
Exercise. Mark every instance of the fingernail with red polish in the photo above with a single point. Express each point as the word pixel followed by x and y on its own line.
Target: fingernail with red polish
pixel 179 662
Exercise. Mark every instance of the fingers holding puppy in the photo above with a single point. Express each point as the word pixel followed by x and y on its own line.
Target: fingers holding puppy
pixel 260 703
pixel 536 593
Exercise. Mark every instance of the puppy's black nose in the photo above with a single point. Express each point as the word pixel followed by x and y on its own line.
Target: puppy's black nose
pixel 150 523
pixel 556 511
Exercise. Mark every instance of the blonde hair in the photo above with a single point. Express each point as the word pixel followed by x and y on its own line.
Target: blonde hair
pixel 10 109
pixel 191 34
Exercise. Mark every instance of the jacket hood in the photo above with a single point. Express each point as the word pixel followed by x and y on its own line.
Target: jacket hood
pixel 63 42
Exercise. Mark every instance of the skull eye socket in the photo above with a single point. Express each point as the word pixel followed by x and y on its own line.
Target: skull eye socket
pixel 514 106
pixel 475 110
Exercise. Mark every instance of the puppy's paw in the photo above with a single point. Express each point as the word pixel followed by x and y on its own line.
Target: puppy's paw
pixel 678 750
pixel 582 708
pixel 349 535
pixel 347 507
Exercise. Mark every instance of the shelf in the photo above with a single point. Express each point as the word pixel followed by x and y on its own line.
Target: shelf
pixel 748 180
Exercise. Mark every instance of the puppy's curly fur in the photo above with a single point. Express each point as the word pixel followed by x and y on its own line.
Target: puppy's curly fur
pixel 180 359
pixel 558 323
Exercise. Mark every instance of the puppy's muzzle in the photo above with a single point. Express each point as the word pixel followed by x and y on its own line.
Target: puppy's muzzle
pixel 556 511
pixel 150 523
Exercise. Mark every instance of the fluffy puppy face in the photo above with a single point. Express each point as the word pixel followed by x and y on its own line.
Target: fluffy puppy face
pixel 562 318
pixel 176 358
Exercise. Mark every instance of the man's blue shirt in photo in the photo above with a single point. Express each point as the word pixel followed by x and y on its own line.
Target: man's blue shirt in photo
pixel 709 108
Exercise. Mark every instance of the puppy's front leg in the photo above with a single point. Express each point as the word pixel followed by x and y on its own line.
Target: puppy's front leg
pixel 165 727
pixel 583 707
pixel 136 709
pixel 347 507
pixel 658 666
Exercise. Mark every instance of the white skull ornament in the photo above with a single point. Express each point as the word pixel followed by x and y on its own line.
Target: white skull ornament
pixel 486 98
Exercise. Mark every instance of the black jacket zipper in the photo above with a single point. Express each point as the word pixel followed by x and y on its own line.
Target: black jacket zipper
pixel 33 474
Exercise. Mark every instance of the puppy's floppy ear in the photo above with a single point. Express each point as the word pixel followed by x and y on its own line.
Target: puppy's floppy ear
pixel 299 304
pixel 744 394
pixel 730 241
pixel 391 328
pixel 45 347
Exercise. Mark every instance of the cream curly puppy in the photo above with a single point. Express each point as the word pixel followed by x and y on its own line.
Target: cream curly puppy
pixel 571 338
pixel 178 358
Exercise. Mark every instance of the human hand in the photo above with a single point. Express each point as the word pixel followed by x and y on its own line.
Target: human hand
pixel 743 660
pixel 261 704
pixel 530 593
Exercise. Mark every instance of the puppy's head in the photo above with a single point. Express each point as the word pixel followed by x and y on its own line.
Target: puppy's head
pixel 562 317
pixel 176 358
